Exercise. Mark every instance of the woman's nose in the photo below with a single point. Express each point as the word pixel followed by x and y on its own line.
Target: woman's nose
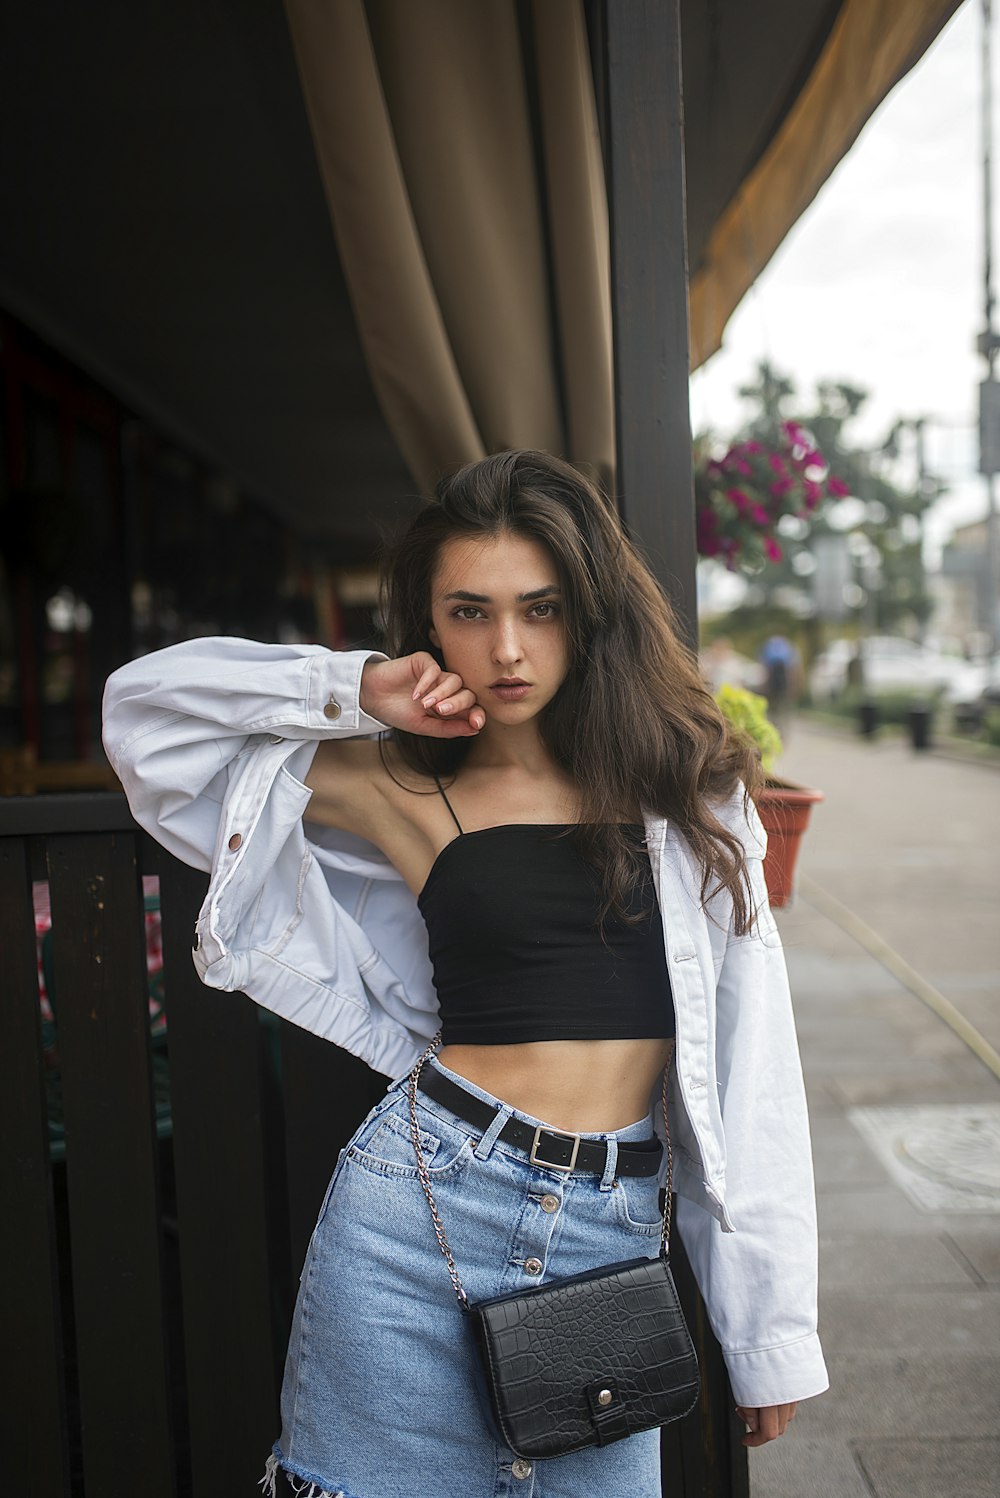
pixel 506 645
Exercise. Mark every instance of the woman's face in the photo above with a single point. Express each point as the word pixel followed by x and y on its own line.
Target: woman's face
pixel 497 614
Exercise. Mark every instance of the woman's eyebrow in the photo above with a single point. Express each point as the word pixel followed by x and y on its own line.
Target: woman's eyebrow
pixel 547 592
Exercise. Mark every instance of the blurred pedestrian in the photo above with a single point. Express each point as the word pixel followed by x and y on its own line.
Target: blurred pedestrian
pixel 782 684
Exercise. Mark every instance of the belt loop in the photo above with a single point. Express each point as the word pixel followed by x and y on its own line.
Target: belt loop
pixel 485 1145
pixel 611 1165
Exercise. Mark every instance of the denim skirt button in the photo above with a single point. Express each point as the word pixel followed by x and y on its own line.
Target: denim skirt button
pixel 521 1468
pixel 550 1204
pixel 532 1266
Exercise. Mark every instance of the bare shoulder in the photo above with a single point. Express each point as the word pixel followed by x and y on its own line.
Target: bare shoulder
pixel 344 779
pixel 363 786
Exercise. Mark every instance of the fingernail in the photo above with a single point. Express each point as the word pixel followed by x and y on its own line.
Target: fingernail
pixel 445 707
pixel 429 701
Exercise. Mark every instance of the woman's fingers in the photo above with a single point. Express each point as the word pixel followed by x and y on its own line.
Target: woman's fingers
pixel 765 1424
pixel 454 703
pixel 430 674
pixel 447 682
pixel 455 728
pixel 459 710
pixel 449 708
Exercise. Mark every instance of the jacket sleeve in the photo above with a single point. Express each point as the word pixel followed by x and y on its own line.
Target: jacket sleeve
pixel 175 720
pixel 759 1282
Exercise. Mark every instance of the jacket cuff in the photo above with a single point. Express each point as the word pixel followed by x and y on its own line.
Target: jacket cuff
pixel 334 696
pixel 778 1375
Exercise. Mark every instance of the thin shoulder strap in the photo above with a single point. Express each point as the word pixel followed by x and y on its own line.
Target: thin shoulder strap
pixel 448 803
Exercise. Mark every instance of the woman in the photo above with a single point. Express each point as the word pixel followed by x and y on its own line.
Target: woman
pixel 549 851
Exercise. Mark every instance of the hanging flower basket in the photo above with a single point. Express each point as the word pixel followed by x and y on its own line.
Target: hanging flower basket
pixel 741 497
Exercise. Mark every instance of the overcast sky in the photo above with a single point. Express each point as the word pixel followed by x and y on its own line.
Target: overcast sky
pixel 880 281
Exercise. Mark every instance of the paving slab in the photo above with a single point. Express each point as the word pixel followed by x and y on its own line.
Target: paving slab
pixel 955 1320
pixel 887 1261
pixel 931 1469
pixel 808 1468
pixel 980 1246
pixel 882 1395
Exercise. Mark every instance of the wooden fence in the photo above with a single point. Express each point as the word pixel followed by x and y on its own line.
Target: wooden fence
pixel 149 1274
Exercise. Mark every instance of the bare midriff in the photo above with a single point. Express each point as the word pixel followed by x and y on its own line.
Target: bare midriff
pixel 586 1086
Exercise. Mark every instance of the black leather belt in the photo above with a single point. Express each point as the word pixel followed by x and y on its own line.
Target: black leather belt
pixel 552 1148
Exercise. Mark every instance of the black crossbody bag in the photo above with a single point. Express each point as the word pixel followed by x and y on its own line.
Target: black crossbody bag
pixel 584 1360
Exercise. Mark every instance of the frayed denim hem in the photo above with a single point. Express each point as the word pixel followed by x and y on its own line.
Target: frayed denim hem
pixel 301 1486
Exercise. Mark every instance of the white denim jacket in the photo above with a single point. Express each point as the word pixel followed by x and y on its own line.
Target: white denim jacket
pixel 212 739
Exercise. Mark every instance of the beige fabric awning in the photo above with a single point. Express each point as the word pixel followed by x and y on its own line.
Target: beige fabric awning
pixel 873 43
pixel 332 269
pixel 476 256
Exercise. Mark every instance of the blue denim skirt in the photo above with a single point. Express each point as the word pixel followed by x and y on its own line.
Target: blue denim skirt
pixel 381 1395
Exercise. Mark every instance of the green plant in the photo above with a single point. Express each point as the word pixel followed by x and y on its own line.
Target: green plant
pixel 747 712
pixel 991 725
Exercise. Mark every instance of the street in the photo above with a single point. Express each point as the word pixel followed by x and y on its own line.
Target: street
pixel 905 1123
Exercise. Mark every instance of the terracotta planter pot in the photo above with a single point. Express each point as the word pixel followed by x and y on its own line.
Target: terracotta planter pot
pixel 784 810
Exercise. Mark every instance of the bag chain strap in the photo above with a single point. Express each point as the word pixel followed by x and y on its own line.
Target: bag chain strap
pixel 425 1180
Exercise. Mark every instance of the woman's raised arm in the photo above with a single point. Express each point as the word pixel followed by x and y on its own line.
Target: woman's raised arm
pixel 176 720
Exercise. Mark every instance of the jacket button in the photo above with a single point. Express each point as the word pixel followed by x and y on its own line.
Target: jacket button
pixel 550 1204
pixel 234 842
pixel 521 1468
pixel 332 709
pixel 532 1266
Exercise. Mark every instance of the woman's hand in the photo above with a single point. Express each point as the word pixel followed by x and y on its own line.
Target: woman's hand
pixel 414 694
pixel 766 1423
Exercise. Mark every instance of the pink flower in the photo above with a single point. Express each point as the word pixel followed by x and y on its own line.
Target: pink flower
pixel 708 533
pixel 838 488
pixel 772 549
pixel 760 515
pixel 813 493
pixel 742 466
pixel 738 498
pixel 777 463
pixel 753 447
pixel 782 486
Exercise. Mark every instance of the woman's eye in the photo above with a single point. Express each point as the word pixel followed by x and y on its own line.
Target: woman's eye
pixel 551 607
pixel 464 610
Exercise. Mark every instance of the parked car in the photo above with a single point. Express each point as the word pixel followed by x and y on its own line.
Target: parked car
pixel 973 689
pixel 888 663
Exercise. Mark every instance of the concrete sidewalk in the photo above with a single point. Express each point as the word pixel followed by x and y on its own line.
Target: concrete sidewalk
pixel 905 1123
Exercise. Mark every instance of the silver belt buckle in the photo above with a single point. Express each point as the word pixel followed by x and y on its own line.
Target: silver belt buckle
pixel 533 1155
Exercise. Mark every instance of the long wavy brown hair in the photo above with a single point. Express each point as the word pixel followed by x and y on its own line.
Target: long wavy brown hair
pixel 633 723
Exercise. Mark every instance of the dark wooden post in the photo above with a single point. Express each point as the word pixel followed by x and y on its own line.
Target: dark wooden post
pixel 637 48
pixel 643 118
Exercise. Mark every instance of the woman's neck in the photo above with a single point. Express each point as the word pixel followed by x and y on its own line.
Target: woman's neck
pixel 517 748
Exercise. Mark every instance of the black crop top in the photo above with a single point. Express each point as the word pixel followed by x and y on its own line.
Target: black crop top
pixel 517 956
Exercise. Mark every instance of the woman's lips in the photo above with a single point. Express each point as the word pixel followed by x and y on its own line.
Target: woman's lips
pixel 511 694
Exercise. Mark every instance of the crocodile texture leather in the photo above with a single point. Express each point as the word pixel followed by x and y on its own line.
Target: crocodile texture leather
pixel 587 1360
